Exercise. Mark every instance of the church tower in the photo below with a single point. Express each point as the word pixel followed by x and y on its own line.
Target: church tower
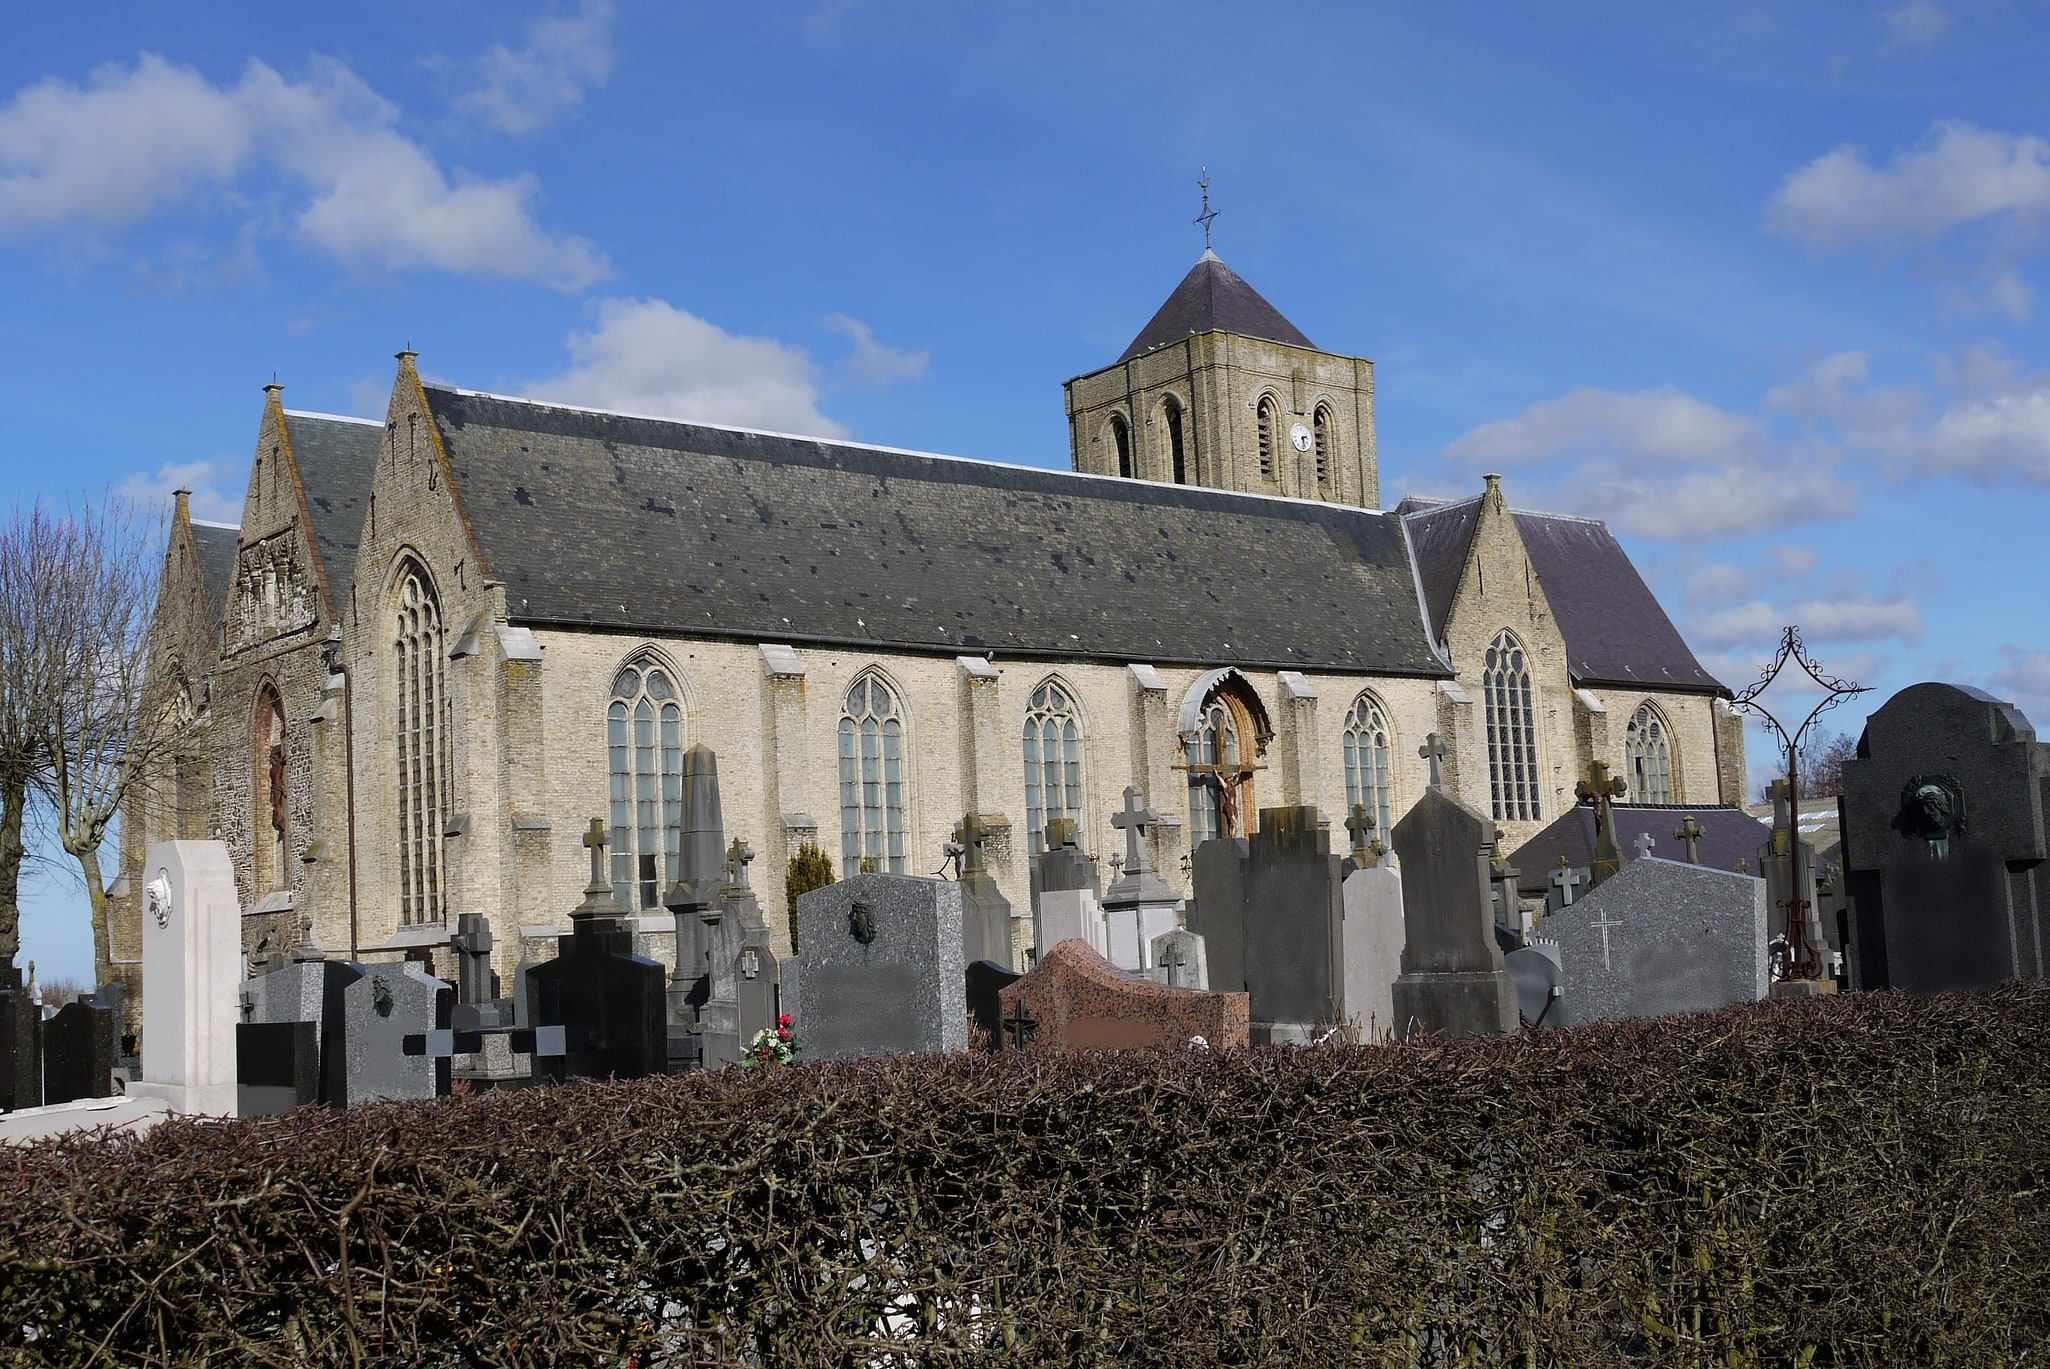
pixel 1220 390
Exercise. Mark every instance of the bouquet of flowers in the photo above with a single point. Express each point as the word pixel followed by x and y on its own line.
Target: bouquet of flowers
pixel 773 1047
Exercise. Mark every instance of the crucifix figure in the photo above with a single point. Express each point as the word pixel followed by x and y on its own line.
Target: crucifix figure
pixel 1433 750
pixel 1644 843
pixel 1020 1027
pixel 1565 879
pixel 1690 832
pixel 1134 822
pixel 1600 790
pixel 1361 825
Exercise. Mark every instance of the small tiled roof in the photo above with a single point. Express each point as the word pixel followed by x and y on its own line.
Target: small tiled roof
pixel 1729 834
pixel 1615 631
pixel 215 546
pixel 336 458
pixel 1213 298
pixel 652 525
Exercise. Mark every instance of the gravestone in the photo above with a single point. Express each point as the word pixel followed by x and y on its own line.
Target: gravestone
pixel 277 1067
pixel 729 925
pixel 1944 815
pixel 1069 913
pixel 986 980
pixel 1138 906
pixel 1453 980
pixel 1372 939
pixel 1063 865
pixel 883 968
pixel 392 1003
pixel 1540 981
pixel 1179 960
pixel 693 902
pixel 1660 937
pixel 191 969
pixel 21 1043
pixel 985 912
pixel 78 1053
pixel 1274 926
pixel 1074 999
pixel 307 988
pixel 1563 886
pixel 757 986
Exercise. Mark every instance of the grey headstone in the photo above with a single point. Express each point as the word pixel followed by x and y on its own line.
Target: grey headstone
pixel 1285 926
pixel 1063 864
pixel 1373 938
pixel 1660 937
pixel 1217 913
pixel 1540 982
pixel 311 990
pixel 1944 816
pixel 1453 979
pixel 756 989
pixel 1180 961
pixel 883 968
pixel 389 1003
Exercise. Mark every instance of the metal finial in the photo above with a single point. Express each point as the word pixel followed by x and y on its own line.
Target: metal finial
pixel 1208 213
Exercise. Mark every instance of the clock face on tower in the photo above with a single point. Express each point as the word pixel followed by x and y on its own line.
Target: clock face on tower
pixel 1300 436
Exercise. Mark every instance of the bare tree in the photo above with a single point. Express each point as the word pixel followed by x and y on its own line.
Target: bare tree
pixel 111 723
pixel 1822 764
pixel 27 688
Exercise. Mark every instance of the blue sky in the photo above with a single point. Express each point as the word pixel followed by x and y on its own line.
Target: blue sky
pixel 1758 284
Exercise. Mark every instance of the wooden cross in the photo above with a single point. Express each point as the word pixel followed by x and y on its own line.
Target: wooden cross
pixel 1690 832
pixel 1361 825
pixel 1019 1027
pixel 1434 751
pixel 1135 819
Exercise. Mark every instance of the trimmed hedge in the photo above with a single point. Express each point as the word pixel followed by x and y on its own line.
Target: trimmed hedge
pixel 1849 1181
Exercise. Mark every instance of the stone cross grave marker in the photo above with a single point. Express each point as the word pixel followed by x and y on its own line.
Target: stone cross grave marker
pixel 1433 750
pixel 1644 843
pixel 1564 881
pixel 1359 823
pixel 1689 832
pixel 1601 790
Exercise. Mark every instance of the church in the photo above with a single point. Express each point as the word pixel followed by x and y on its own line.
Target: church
pixel 440 644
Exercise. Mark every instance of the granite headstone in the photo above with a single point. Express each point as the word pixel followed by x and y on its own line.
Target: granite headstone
pixel 884 972
pixel 1661 937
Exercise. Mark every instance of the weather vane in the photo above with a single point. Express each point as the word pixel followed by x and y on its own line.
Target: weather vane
pixel 1208 213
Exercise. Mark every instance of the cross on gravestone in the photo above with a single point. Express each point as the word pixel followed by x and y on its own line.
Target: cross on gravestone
pixel 1360 823
pixel 1433 750
pixel 1135 820
pixel 1019 1027
pixel 1644 843
pixel 1173 960
pixel 970 833
pixel 1602 925
pixel 1690 832
pixel 1117 867
pixel 739 855
pixel 750 963
pixel 1565 879
pixel 598 900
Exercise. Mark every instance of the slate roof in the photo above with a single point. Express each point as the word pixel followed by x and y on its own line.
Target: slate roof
pixel 652 525
pixel 1729 834
pixel 1615 630
pixel 1213 298
pixel 215 547
pixel 336 457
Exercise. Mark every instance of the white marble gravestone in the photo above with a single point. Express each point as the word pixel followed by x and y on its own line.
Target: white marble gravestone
pixel 1070 915
pixel 1372 943
pixel 191 978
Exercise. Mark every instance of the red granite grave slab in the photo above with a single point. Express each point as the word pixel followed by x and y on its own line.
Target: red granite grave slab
pixel 1074 999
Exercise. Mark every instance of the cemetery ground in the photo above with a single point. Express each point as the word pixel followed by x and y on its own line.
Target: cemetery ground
pixel 1849 1180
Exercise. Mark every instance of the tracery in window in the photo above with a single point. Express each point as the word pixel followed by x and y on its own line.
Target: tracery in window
pixel 1053 760
pixel 644 752
pixel 1648 755
pixel 420 683
pixel 1367 749
pixel 1512 735
pixel 872 780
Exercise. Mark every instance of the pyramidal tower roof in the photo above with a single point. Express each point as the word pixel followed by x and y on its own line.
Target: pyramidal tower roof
pixel 1213 298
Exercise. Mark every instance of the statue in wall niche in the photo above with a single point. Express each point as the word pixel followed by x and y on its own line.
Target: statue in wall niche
pixel 1932 810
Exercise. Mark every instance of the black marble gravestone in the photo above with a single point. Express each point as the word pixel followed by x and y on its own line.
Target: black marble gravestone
pixel 1274 928
pixel 614 1003
pixel 21 1044
pixel 277 1067
pixel 987 979
pixel 78 1053
pixel 1944 844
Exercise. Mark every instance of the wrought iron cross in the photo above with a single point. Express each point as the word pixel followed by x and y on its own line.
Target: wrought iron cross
pixel 1019 1027
pixel 1208 213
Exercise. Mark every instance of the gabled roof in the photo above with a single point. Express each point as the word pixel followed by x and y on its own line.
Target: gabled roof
pixel 1213 298
pixel 336 458
pixel 1616 632
pixel 1728 835
pixel 214 547
pixel 651 525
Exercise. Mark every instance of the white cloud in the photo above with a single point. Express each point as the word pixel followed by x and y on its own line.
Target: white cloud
pixel 1658 464
pixel 2025 682
pixel 520 91
pixel 873 364
pixel 1918 23
pixel 209 503
pixel 646 356
pixel 129 142
pixel 1957 175
pixel 1840 618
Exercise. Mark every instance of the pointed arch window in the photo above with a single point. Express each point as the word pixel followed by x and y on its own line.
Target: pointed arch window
pixel 421 683
pixel 1367 750
pixel 1512 733
pixel 1121 438
pixel 1221 758
pixel 1266 426
pixel 270 810
pixel 1320 428
pixel 1053 761
pixel 872 779
pixel 1648 755
pixel 1177 459
pixel 644 752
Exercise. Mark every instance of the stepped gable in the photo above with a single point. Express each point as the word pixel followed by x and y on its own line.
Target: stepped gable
pixel 1213 298
pixel 603 520
pixel 214 547
pixel 336 458
pixel 1615 630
